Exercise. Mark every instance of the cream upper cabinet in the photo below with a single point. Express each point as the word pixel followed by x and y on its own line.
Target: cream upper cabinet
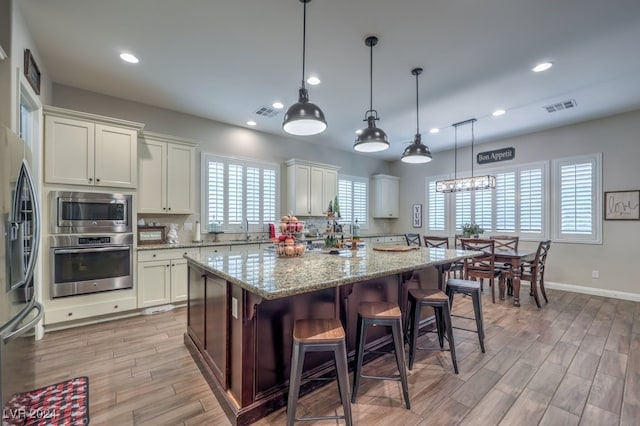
pixel 386 196
pixel 166 167
pixel 310 187
pixel 90 150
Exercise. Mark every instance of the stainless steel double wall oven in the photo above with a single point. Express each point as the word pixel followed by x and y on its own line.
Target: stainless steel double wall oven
pixel 91 242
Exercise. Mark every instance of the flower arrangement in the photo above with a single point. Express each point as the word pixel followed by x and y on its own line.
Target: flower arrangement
pixel 471 229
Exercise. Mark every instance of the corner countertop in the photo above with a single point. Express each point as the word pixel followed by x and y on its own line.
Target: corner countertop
pixel 265 274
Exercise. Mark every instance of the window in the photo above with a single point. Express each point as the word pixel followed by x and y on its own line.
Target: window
pixel 516 206
pixel 353 198
pixel 578 209
pixel 238 190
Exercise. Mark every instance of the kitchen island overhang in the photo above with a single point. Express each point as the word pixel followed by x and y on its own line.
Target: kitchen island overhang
pixel 242 306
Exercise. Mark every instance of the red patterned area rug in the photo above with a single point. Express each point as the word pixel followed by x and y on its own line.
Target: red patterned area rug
pixel 63 404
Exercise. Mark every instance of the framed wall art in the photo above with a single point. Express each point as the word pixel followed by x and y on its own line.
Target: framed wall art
pixel 31 71
pixel 417 215
pixel 622 205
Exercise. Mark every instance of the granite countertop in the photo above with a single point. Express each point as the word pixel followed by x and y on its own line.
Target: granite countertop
pixel 263 273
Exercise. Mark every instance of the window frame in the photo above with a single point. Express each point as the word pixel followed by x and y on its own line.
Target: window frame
pixel 352 179
pixel 228 161
pixel 596 204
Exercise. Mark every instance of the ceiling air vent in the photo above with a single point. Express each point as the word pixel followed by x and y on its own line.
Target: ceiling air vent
pixel 571 103
pixel 266 111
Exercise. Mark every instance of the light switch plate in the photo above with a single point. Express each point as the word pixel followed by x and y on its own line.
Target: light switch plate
pixel 234 307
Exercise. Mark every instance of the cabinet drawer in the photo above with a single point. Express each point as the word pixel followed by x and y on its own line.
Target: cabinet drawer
pixel 150 255
pixel 56 315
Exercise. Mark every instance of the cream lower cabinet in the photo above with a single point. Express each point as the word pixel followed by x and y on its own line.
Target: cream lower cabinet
pixel 166 171
pixel 90 150
pixel 162 276
pixel 310 187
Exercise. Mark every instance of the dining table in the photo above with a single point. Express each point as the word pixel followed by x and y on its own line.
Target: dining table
pixel 515 258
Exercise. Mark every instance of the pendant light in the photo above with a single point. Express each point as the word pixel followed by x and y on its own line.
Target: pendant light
pixel 372 138
pixel 417 152
pixel 473 183
pixel 304 118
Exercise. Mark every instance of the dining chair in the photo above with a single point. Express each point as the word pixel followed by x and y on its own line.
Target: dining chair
pixel 534 271
pixel 482 266
pixel 510 243
pixel 413 239
pixel 456 268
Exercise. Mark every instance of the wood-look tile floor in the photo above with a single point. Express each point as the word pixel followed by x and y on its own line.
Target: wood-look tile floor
pixel 575 361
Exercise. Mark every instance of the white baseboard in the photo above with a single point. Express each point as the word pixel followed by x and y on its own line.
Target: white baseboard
pixel 623 295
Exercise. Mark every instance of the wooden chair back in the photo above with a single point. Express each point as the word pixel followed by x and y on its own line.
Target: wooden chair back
pixel 541 257
pixel 436 242
pixel 413 239
pixel 506 242
pixel 482 266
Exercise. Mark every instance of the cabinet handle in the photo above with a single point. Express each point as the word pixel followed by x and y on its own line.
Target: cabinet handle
pixel 173 264
pixel 167 266
pixel 70 314
pixel 97 180
pixel 164 208
pixel 154 255
pixel 115 307
pixel 169 208
pixel 90 179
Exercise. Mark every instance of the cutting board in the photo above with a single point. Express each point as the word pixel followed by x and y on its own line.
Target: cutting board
pixel 395 248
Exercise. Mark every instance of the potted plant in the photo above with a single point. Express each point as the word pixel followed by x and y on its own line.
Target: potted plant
pixel 471 230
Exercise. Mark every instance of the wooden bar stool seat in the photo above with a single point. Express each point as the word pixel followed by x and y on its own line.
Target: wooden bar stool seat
pixel 439 301
pixel 315 335
pixel 473 289
pixel 380 314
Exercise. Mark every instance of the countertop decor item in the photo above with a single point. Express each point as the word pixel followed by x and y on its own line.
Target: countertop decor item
pixel 151 235
pixel 472 230
pixel 417 152
pixel 172 235
pixel 304 118
pixel 473 183
pixel 372 138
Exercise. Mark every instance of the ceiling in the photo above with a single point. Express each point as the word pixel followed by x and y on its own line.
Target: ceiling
pixel 224 59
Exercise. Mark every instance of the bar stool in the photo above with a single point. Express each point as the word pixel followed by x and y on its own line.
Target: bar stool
pixel 439 301
pixel 469 288
pixel 315 335
pixel 383 314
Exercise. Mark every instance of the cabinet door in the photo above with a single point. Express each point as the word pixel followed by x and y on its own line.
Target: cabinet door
pixel 116 156
pixel 196 306
pixel 154 283
pixel 300 186
pixel 329 188
pixel 316 192
pixel 216 326
pixel 69 151
pixel 387 198
pixel 179 278
pixel 180 186
pixel 152 173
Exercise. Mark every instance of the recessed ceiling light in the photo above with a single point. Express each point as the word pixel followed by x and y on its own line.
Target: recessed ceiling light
pixel 498 112
pixel 434 130
pixel 277 105
pixel 359 131
pixel 128 57
pixel 251 123
pixel 542 67
pixel 313 80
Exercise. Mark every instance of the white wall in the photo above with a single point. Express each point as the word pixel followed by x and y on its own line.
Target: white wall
pixel 223 139
pixel 618 138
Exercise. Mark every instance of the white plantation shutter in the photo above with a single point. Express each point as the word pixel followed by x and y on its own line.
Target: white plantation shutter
pixel 484 209
pixel 463 209
pixel 235 193
pixel 353 199
pixel 214 192
pixel 506 202
pixel 237 190
pixel 436 212
pixel 531 201
pixel 577 202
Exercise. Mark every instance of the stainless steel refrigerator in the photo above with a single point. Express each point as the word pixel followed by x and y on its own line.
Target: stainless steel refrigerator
pixel 19 244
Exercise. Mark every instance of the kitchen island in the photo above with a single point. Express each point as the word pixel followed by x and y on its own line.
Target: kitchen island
pixel 242 306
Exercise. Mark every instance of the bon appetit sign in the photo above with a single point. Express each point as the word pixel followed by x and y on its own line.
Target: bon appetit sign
pixel 503 154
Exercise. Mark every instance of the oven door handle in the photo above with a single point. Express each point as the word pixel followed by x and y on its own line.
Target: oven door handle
pixel 92 249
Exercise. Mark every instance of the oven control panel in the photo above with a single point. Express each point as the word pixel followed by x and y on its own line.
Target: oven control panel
pixel 94 240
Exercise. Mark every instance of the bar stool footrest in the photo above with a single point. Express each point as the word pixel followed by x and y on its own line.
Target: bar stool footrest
pixel 313 419
pixel 394 378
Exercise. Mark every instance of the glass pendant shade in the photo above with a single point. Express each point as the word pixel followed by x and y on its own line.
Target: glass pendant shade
pixel 371 139
pixel 304 118
pixel 417 152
